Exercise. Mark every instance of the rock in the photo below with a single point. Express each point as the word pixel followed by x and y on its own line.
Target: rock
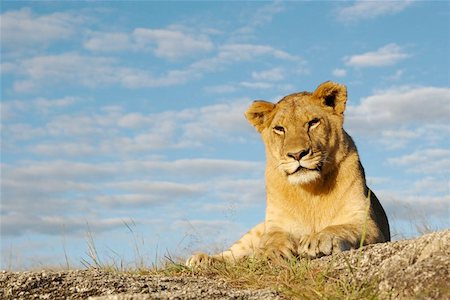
pixel 416 268
pixel 103 285
pixel 408 269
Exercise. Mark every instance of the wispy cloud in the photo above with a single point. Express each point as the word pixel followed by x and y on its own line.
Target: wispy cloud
pixel 89 71
pixel 39 192
pixel 109 42
pixel 397 117
pixel 407 207
pixel 275 74
pixel 100 132
pixel 256 19
pixel 363 10
pixel 400 106
pixel 172 44
pixel 94 71
pixel 99 68
pixel 407 134
pixel 22 30
pixel 231 53
pixel 14 108
pixel 18 224
pixel 168 43
pixel 339 73
pixel 431 161
pixel 385 56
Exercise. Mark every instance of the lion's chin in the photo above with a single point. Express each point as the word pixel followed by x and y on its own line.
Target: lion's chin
pixel 304 177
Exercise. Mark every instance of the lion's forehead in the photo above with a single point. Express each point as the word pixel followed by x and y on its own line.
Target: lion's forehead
pixel 297 113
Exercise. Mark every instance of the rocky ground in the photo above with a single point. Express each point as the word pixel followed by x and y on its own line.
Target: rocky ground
pixel 103 285
pixel 409 269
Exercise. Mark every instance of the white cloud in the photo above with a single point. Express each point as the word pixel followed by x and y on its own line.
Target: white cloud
pixel 433 185
pixel 242 191
pixel 67 67
pixel 63 148
pixel 169 43
pixel 275 74
pixel 385 56
pixel 406 207
pixel 396 108
pixel 82 125
pixel 256 19
pixel 428 134
pixel 21 29
pixel 134 120
pixel 10 109
pixel 20 131
pixel 7 67
pixel 172 44
pixel 249 51
pixel 402 117
pixel 257 85
pixel 149 193
pixel 36 194
pixel 171 189
pixel 397 138
pixel 363 10
pixel 18 224
pixel 106 132
pixel 430 161
pixel 265 14
pixel 73 68
pixel 211 123
pixel 109 42
pixel 266 79
pixel 94 71
pixel 339 73
pixel 232 53
pixel 69 172
pixel 24 86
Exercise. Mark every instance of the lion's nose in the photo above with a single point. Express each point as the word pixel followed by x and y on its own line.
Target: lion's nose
pixel 300 154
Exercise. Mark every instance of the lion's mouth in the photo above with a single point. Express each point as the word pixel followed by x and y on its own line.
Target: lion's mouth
pixel 300 169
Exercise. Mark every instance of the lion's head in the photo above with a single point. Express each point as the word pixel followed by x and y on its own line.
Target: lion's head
pixel 303 132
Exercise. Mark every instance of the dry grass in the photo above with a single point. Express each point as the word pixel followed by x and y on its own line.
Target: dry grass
pixel 295 279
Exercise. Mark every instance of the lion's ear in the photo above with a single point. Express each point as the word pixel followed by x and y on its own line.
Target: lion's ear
pixel 332 95
pixel 258 114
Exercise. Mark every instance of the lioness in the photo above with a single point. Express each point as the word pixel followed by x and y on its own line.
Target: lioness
pixel 318 202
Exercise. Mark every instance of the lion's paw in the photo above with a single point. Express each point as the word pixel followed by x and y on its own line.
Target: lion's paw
pixel 321 244
pixel 199 260
pixel 277 244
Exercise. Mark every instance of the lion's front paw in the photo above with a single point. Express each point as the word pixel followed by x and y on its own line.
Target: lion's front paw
pixel 199 260
pixel 277 244
pixel 321 244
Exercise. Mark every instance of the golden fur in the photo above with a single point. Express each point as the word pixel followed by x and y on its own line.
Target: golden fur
pixel 317 199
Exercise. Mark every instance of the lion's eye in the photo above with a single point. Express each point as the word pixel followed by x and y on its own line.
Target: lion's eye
pixel 313 123
pixel 278 129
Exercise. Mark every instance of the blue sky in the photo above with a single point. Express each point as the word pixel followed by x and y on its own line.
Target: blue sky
pixel 124 120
